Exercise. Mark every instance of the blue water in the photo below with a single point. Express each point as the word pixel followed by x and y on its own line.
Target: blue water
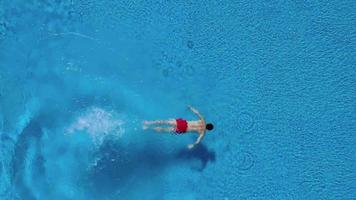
pixel 277 79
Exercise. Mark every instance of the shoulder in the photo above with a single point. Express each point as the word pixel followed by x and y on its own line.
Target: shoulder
pixel 202 122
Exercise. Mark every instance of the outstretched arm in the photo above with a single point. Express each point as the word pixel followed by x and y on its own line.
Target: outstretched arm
pixel 200 138
pixel 196 112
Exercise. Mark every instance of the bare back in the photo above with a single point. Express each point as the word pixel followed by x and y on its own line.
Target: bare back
pixel 197 126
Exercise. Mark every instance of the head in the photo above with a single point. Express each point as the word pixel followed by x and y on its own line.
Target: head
pixel 209 126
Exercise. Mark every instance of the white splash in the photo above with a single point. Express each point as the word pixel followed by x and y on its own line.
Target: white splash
pixel 98 123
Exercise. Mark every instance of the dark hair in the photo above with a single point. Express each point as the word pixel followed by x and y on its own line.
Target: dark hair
pixel 209 126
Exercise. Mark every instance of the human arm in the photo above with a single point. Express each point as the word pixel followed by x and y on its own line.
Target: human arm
pixel 195 111
pixel 200 138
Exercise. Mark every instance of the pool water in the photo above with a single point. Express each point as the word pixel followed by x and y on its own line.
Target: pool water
pixel 78 77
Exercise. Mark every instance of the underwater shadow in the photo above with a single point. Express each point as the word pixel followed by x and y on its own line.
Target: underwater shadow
pixel 28 141
pixel 200 152
pixel 118 167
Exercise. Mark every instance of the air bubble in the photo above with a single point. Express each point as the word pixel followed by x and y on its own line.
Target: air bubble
pixel 242 161
pixel 245 161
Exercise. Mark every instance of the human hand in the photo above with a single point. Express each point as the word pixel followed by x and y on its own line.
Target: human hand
pixel 190 146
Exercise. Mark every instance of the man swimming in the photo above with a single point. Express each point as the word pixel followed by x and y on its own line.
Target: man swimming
pixel 181 126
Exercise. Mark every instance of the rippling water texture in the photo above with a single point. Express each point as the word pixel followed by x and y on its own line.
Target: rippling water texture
pixel 277 79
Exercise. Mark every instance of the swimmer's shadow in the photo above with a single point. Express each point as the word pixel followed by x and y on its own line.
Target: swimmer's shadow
pixel 199 152
pixel 116 167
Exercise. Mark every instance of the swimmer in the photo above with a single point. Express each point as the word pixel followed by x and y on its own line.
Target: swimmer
pixel 181 126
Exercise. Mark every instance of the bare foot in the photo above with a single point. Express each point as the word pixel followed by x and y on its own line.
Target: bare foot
pixel 146 122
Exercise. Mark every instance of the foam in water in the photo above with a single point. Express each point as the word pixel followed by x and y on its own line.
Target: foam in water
pixel 98 123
